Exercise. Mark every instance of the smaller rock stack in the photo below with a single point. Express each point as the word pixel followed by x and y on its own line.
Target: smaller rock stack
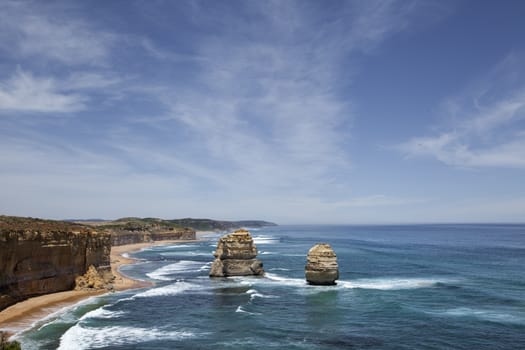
pixel 321 267
pixel 235 256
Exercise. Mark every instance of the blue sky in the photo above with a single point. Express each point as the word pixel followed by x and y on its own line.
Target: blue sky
pixel 289 111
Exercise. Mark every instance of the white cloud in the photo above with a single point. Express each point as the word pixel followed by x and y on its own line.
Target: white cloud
pixel 262 127
pixel 25 93
pixel 29 29
pixel 264 102
pixel 60 181
pixel 90 80
pixel 65 58
pixel 486 130
pixel 377 20
pixel 161 54
pixel 377 200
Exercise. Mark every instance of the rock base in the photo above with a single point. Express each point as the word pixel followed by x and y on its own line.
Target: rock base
pixel 322 278
pixel 236 267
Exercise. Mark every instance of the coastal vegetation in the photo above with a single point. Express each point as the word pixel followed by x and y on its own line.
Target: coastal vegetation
pixel 8 345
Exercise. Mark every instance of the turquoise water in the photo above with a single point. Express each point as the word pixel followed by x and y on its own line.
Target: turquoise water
pixel 400 287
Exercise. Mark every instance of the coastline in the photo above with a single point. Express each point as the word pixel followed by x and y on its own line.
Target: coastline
pixel 25 314
pixel 117 258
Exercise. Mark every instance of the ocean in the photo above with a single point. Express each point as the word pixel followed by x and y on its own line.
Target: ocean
pixel 400 287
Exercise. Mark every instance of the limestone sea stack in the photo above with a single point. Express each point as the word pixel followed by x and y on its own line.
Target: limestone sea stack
pixel 236 256
pixel 321 266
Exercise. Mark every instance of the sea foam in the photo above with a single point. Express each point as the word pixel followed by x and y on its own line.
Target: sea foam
pixel 256 294
pixel 61 315
pixel 486 315
pixel 79 337
pixel 240 309
pixel 102 312
pixel 390 283
pixel 288 281
pixel 191 254
pixel 165 273
pixel 372 283
pixel 172 289
pixel 263 239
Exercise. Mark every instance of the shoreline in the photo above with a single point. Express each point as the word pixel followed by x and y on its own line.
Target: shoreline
pixel 23 315
pixel 117 259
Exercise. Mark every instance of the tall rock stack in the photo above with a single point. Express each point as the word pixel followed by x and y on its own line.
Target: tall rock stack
pixel 321 267
pixel 235 256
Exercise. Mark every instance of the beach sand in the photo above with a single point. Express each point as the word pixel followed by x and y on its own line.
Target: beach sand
pixel 23 315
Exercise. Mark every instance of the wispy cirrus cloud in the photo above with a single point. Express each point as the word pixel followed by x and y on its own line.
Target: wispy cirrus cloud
pixel 86 80
pixel 27 93
pixel 55 59
pixel 24 92
pixel 31 30
pixel 487 123
pixel 378 200
pixel 258 116
pixel 372 22
pixel 58 180
pixel 266 101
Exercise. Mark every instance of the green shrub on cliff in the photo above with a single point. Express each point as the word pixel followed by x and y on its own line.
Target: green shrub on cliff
pixel 11 345
pixel 8 345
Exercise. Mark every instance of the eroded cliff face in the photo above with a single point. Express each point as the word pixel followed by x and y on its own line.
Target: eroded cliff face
pixel 235 256
pixel 122 237
pixel 43 256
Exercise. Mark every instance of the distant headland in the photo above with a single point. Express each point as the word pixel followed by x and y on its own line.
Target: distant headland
pixel 196 224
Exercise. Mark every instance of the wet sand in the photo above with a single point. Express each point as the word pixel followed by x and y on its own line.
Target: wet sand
pixel 123 282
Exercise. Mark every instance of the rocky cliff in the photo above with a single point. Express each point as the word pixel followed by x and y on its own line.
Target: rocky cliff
pixel 43 256
pixel 235 256
pixel 142 232
pixel 321 266
pixel 122 237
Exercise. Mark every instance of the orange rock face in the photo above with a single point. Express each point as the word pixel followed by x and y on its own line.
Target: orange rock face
pixel 43 256
pixel 321 267
pixel 235 256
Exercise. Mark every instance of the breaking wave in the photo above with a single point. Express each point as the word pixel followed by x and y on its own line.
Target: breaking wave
pixel 256 294
pixel 391 283
pixel 184 266
pixel 172 289
pixel 486 315
pixel 263 239
pixel 372 283
pixel 102 313
pixel 79 337
pixel 240 309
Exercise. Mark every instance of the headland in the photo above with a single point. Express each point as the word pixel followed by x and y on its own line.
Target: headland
pixel 25 314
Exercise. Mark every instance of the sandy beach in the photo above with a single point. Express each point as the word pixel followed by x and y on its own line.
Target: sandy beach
pixel 23 315
pixel 123 282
